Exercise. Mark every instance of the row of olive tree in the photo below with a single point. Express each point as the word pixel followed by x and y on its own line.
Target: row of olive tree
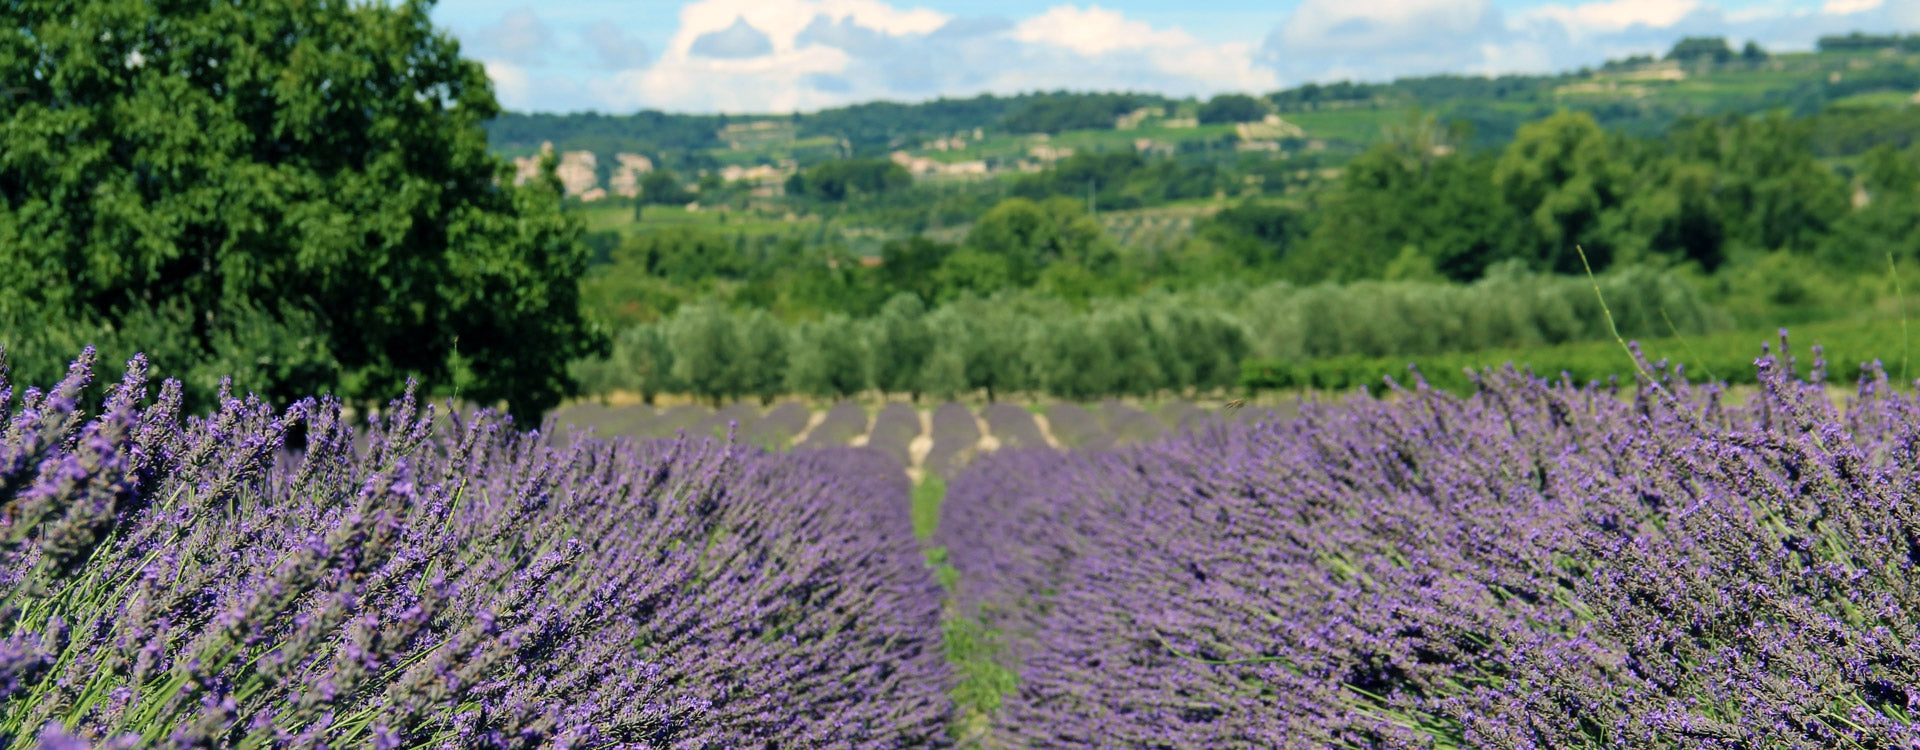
pixel 1508 308
pixel 1187 342
pixel 996 346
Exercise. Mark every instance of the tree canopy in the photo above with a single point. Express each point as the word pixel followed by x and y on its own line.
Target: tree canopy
pixel 296 192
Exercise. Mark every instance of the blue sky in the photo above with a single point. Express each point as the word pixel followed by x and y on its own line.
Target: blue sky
pixel 785 55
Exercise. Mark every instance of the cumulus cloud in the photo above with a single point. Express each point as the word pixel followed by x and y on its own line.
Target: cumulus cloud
pixel 520 37
pixel 847 34
pixel 810 54
pixel 1095 31
pixel 614 49
pixel 510 82
pixel 1842 7
pixel 1616 15
pixel 735 42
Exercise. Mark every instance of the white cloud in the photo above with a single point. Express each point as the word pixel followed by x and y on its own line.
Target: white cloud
pixel 770 83
pixel 783 20
pixel 511 84
pixel 1217 68
pixel 823 53
pixel 1096 31
pixel 1843 7
pixel 778 79
pixel 1615 15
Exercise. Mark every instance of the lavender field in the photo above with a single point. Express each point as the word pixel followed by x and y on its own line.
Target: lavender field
pixel 1537 565
pixel 186 581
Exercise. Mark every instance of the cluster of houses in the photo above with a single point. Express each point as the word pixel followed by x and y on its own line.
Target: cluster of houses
pixel 579 171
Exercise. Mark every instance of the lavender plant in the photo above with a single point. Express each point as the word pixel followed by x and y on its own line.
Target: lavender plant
pixel 173 580
pixel 1537 565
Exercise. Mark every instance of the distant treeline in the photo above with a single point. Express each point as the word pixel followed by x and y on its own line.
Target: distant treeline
pixel 1838 194
pixel 1847 350
pixel 1862 42
pixel 867 130
pixel 1181 343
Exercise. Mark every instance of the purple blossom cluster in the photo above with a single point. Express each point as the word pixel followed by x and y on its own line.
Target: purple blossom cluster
pixel 263 578
pixel 1535 566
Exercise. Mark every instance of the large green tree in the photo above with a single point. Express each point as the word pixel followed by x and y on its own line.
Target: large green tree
pixel 308 179
pixel 1567 178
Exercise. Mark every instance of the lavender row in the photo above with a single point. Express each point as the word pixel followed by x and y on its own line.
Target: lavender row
pixel 450 582
pixel 1535 566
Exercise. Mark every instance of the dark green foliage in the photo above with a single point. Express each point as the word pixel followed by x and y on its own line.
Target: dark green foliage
pixel 1889 223
pixel 662 187
pixel 1070 361
pixel 1062 111
pixel 909 265
pixel 1711 49
pixel 1311 96
pixel 1409 193
pixel 707 353
pixel 1258 234
pixel 1415 206
pixel 649 132
pixel 977 347
pixel 1565 179
pixel 329 221
pixel 1023 237
pixel 829 358
pixel 901 344
pixel 762 366
pixel 1863 42
pixel 1119 180
pixel 877 127
pixel 681 255
pixel 1231 108
pixel 1763 182
pixel 1847 347
pixel 1508 308
pixel 836 181
pixel 1187 343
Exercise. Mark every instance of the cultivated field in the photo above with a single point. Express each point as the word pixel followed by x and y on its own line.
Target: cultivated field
pixel 929 440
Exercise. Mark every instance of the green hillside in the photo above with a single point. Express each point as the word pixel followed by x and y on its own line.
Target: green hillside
pixel 1641 95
